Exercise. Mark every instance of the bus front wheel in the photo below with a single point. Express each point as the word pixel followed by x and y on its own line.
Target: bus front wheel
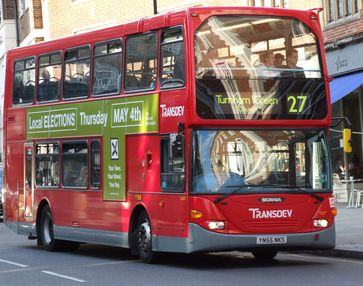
pixel 144 239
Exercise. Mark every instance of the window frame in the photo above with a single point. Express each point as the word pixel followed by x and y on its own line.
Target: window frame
pixel 161 60
pixel 126 91
pixel 37 76
pixel 24 60
pixel 91 141
pixel 56 187
pixel 94 56
pixel 73 61
pixel 80 140
pixel 163 160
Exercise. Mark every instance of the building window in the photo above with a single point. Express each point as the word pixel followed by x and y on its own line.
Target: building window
pixel 338 9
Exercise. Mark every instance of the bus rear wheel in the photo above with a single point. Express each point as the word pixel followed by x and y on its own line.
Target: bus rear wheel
pixel 144 239
pixel 264 255
pixel 47 232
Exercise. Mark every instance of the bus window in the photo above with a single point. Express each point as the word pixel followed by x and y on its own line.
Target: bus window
pixel 172 164
pixel 24 81
pixel 172 58
pixel 47 165
pixel 141 62
pixel 76 75
pixel 49 77
pixel 107 68
pixel 75 164
pixel 95 164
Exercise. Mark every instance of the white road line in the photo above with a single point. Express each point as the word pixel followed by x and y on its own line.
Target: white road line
pixel 13 263
pixel 329 259
pixel 64 276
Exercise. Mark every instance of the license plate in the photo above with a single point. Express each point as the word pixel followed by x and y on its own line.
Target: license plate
pixel 266 239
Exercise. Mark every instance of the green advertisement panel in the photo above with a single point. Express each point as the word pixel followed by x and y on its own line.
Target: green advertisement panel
pixel 111 119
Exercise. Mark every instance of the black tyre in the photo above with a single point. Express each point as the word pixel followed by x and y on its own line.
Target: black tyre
pixel 47 232
pixel 264 255
pixel 144 239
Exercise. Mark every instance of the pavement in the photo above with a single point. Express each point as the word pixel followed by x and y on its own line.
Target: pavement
pixel 349 233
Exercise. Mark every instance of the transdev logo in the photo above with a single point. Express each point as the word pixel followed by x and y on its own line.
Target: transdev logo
pixel 257 213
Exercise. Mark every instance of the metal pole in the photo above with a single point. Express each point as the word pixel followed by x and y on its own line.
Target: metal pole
pixel 17 23
pixel 155 3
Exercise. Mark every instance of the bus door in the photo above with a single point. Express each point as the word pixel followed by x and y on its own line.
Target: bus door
pixel 28 189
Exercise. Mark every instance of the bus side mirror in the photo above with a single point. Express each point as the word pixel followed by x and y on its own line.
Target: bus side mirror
pixel 347 140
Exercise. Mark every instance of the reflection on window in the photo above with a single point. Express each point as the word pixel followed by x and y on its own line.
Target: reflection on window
pixel 107 68
pixel 49 77
pixel 24 81
pixel 75 164
pixel 47 165
pixel 172 58
pixel 141 62
pixel 76 76
pixel 244 69
pixel 279 159
pixel 95 164
pixel 172 164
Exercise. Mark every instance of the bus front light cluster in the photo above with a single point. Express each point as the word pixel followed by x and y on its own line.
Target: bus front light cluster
pixel 216 225
pixel 320 223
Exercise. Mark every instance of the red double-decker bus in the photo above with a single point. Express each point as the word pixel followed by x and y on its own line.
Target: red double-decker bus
pixel 194 131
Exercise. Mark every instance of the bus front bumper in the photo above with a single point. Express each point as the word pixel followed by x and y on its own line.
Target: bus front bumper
pixel 202 240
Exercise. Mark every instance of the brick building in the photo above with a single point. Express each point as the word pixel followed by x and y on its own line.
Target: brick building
pixel 343 36
pixel 7 41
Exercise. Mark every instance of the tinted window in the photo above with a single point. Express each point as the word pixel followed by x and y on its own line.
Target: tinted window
pixel 141 62
pixel 49 77
pixel 76 75
pixel 75 164
pixel 107 68
pixel 172 59
pixel 47 165
pixel 24 81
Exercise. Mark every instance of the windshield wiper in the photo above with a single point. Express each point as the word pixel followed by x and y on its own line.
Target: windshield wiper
pixel 238 188
pixel 319 198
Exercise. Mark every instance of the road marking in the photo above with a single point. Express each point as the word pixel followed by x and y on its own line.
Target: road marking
pixel 329 259
pixel 64 276
pixel 111 263
pixel 13 263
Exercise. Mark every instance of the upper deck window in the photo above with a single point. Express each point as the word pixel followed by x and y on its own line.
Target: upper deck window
pixel 76 75
pixel 24 81
pixel 141 62
pixel 257 67
pixel 172 58
pixel 107 68
pixel 49 77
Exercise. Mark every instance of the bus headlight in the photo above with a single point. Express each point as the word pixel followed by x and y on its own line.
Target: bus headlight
pixel 320 223
pixel 213 225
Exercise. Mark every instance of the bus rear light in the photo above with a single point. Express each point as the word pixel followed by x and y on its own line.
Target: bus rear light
pixel 320 223
pixel 196 214
pixel 214 225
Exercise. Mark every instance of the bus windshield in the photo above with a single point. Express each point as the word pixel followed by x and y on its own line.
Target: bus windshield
pixel 260 161
pixel 258 68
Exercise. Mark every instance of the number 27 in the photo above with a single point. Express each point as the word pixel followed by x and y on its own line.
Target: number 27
pixel 297 103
